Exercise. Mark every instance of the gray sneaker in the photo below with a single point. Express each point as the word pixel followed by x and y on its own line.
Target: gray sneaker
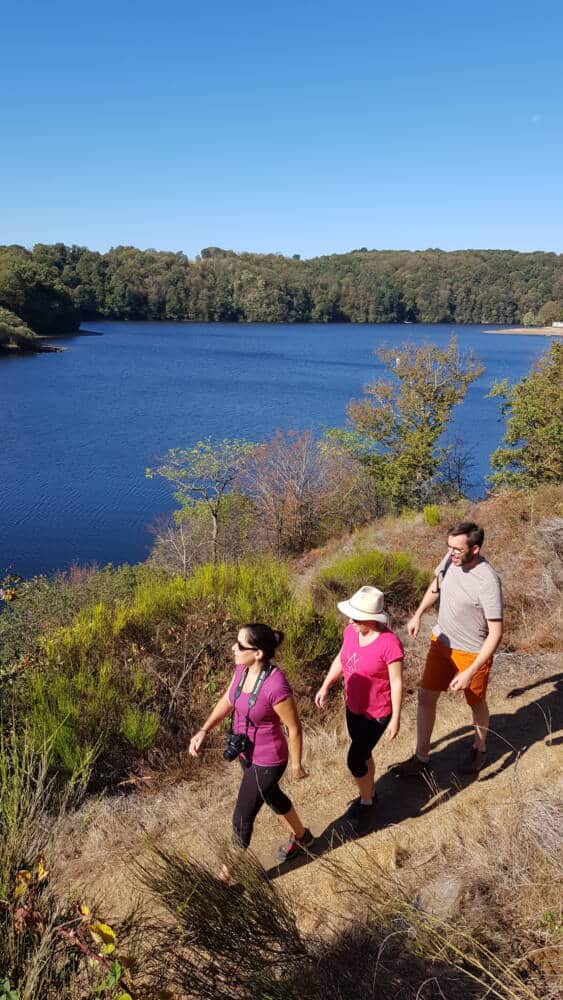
pixel 356 806
pixel 295 845
pixel 411 768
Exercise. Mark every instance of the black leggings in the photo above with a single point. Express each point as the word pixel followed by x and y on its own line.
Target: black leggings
pixel 364 733
pixel 259 784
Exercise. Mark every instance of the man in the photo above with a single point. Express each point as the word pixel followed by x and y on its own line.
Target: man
pixel 464 640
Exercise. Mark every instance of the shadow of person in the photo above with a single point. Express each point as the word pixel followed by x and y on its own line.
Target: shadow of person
pixel 515 732
pixel 511 734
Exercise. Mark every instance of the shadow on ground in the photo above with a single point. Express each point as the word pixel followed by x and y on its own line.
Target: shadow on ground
pixel 511 734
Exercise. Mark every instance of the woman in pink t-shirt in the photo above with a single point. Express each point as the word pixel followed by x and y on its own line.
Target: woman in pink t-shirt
pixel 260 701
pixel 371 662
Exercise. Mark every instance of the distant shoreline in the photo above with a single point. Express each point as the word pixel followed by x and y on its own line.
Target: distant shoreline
pixel 533 331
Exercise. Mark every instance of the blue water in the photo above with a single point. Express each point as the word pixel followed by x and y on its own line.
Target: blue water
pixel 79 428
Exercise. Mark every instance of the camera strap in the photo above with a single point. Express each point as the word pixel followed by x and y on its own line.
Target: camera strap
pixel 253 697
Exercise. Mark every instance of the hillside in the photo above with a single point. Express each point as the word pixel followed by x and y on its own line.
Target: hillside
pixel 454 891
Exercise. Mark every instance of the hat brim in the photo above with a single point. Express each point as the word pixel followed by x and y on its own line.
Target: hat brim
pixel 361 616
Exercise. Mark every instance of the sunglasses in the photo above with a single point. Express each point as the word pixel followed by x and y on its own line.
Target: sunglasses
pixel 244 649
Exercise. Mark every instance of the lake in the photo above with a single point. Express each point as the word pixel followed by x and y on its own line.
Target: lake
pixel 80 427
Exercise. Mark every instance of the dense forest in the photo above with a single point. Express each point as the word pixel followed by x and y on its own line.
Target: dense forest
pixel 52 288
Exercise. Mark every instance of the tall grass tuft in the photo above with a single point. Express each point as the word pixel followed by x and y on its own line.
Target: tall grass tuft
pixel 431 515
pixel 392 572
pixel 30 814
pixel 225 941
pixel 241 941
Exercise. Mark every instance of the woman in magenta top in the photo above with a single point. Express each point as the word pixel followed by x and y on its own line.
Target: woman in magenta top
pixel 371 662
pixel 260 701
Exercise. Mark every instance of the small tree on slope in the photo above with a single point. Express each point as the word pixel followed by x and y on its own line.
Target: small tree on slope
pixel 532 452
pixel 396 427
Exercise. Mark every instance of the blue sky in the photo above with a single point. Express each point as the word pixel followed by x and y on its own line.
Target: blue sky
pixel 296 127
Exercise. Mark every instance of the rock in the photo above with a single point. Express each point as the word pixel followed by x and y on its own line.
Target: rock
pixel 441 897
pixel 550 531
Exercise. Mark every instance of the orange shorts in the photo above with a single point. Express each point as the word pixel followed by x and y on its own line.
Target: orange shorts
pixel 443 663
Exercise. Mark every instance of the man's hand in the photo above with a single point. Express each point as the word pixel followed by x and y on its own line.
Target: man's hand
pixel 197 742
pixel 392 729
pixel 462 681
pixel 413 626
pixel 298 773
pixel 321 696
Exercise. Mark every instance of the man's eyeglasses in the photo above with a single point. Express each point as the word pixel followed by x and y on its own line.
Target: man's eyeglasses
pixel 244 649
pixel 457 552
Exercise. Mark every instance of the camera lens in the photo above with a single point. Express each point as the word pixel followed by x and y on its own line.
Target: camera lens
pixel 236 744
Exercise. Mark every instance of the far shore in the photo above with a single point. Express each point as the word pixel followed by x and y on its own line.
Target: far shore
pixel 533 331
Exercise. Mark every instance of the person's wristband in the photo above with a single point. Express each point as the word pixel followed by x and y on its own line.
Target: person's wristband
pixel 203 730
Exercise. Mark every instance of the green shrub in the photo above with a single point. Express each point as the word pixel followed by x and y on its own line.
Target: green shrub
pixel 431 515
pixel 392 572
pixel 262 590
pixel 45 604
pixel 140 727
pixel 73 712
pixel 155 600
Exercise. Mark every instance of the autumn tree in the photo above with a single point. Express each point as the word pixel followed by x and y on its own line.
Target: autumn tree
pixel 532 452
pixel 286 484
pixel 395 429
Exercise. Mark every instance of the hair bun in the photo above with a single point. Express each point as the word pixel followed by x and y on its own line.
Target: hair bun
pixel 278 636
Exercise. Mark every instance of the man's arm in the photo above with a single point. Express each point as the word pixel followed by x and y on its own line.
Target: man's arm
pixel 430 598
pixel 489 647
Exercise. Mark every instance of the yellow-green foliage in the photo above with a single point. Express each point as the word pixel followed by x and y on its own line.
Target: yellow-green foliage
pixel 392 572
pixel 262 591
pixel 431 515
pixel 89 692
pixel 91 632
pixel 71 712
pixel 94 630
pixel 155 600
pixel 139 728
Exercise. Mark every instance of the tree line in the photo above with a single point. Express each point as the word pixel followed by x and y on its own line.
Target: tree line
pixel 52 288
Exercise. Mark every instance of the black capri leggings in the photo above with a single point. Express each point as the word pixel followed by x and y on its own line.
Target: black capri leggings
pixel 364 733
pixel 259 785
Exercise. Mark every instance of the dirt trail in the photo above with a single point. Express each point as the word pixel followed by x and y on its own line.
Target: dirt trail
pixel 415 826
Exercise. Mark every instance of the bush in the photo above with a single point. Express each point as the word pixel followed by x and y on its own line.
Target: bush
pixel 140 728
pixel 392 572
pixel 44 604
pixel 431 515
pixel 263 591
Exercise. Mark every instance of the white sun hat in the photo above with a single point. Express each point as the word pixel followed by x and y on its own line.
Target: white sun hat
pixel 366 605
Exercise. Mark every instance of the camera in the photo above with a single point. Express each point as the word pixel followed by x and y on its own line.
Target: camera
pixel 236 744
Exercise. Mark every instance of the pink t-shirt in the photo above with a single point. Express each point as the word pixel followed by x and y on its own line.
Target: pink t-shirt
pixel 366 677
pixel 269 745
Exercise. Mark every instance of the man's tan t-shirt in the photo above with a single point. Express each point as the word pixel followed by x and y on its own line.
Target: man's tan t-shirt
pixel 467 599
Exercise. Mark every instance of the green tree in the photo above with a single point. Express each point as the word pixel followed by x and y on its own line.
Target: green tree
pixel 395 428
pixel 532 452
pixel 205 476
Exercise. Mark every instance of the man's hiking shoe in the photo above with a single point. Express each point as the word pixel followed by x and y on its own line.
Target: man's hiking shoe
pixel 475 761
pixel 294 846
pixel 411 768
